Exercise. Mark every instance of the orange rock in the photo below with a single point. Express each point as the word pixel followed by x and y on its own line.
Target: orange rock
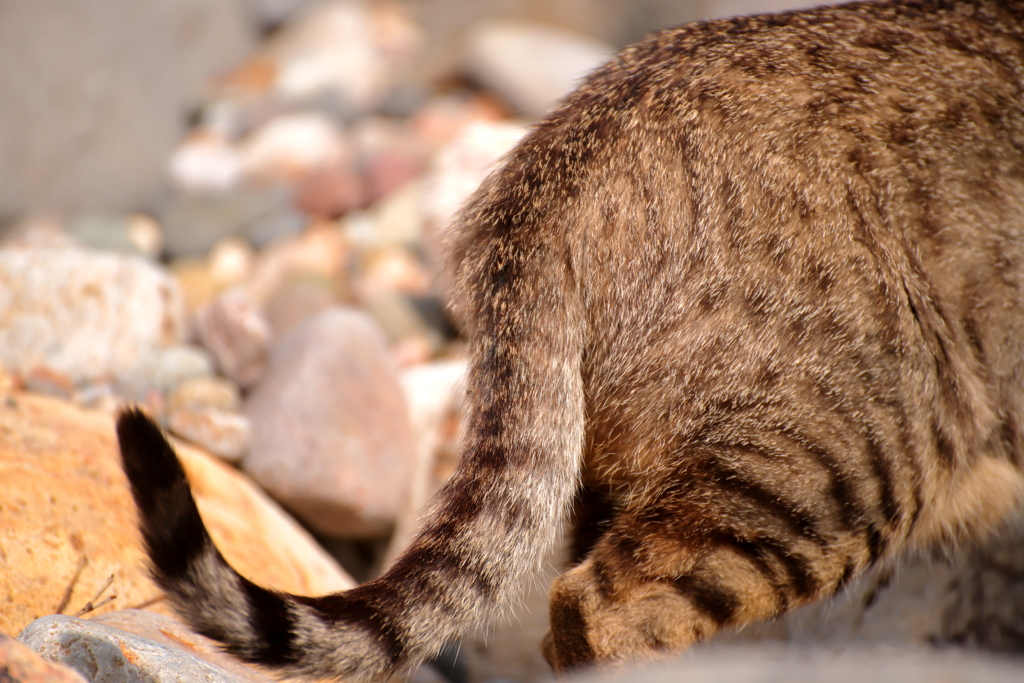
pixel 67 521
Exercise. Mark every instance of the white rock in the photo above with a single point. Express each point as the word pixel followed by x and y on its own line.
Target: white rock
pixel 346 51
pixel 292 145
pixel 432 392
pixel 85 314
pixel 460 167
pixel 532 65
pixel 453 176
pixel 205 164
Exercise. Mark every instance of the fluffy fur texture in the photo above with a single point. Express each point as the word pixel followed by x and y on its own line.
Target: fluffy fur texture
pixel 747 312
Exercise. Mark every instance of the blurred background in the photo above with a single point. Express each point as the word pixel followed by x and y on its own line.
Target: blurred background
pixel 234 213
pixel 96 96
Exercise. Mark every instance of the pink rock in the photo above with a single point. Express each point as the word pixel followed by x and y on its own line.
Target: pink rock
pixel 223 433
pixel 234 330
pixel 330 429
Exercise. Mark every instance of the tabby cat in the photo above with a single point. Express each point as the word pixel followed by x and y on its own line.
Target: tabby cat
pixel 746 312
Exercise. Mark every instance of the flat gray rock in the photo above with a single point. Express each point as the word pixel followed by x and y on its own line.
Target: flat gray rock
pixel 103 654
pixel 782 664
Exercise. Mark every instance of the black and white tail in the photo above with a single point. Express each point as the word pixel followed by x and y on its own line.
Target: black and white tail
pixel 485 533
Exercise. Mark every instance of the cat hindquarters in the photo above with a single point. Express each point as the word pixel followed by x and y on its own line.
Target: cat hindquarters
pixel 599 616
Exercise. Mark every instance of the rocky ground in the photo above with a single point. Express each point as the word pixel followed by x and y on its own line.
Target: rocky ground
pixel 280 311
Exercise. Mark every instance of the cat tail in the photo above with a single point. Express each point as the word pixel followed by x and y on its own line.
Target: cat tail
pixel 483 537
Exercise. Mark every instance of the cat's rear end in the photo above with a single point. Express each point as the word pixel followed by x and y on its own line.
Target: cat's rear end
pixel 751 304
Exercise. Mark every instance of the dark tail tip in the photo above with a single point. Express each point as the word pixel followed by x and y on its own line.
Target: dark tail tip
pixel 170 523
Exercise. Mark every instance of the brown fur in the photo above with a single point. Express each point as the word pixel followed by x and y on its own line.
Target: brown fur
pixel 798 242
pixel 753 299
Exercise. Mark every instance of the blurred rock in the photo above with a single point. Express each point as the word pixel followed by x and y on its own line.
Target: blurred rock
pixel 455 173
pixel 440 120
pixel 298 299
pixel 398 318
pixel 43 380
pixel 128 234
pixel 309 152
pixel 346 53
pixel 222 433
pixel 530 64
pixel 205 392
pixel 43 231
pixel 732 8
pixel 99 396
pixel 328 419
pixel 321 251
pixel 84 314
pixel 292 145
pixel 229 262
pixel 392 270
pixel 69 522
pixel 98 112
pixel 767 664
pixel 195 222
pixel 389 154
pixel 170 631
pixel 274 12
pixel 233 328
pixel 432 392
pixel 170 366
pixel 19 664
pixel 396 220
pixel 205 163
pixel 104 654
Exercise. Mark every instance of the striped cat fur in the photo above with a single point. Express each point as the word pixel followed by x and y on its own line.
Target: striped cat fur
pixel 746 313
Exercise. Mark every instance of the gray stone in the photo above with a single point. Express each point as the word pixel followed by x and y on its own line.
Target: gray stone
pixel 732 8
pixel 128 234
pixel 18 664
pixel 331 438
pixel 172 365
pixel 173 633
pixel 86 314
pixel 193 223
pixel 531 65
pixel 780 664
pixel 103 654
pixel 96 95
